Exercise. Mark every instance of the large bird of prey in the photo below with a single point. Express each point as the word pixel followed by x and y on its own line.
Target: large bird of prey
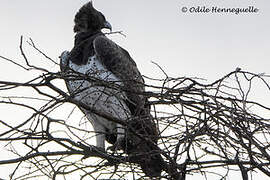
pixel 111 83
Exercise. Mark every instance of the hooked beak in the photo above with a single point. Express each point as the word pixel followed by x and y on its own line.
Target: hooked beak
pixel 107 25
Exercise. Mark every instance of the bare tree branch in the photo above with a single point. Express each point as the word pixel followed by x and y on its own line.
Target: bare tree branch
pixel 205 128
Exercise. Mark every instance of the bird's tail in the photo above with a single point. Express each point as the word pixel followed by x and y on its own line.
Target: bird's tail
pixel 141 145
pixel 149 159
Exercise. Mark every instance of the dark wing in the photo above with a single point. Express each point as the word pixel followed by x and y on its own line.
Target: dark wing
pixel 119 62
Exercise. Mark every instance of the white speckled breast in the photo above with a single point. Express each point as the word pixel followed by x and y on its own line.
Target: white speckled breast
pixel 101 98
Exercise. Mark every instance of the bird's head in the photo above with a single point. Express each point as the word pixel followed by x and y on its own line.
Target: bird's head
pixel 88 19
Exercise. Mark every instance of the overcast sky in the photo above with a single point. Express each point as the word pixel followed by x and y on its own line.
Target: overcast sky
pixel 206 45
pixel 200 44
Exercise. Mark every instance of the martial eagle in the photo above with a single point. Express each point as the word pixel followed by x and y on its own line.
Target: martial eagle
pixel 103 76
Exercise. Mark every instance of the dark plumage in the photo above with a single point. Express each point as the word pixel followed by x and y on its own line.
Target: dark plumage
pixel 95 55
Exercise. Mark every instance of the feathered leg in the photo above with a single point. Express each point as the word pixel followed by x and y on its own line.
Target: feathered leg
pixel 120 138
pixel 100 134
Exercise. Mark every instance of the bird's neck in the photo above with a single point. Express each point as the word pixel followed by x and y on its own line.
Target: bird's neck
pixel 83 47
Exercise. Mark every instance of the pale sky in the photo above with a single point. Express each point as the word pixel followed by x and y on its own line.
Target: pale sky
pixel 206 45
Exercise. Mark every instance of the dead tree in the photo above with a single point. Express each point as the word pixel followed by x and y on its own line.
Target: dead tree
pixel 206 129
